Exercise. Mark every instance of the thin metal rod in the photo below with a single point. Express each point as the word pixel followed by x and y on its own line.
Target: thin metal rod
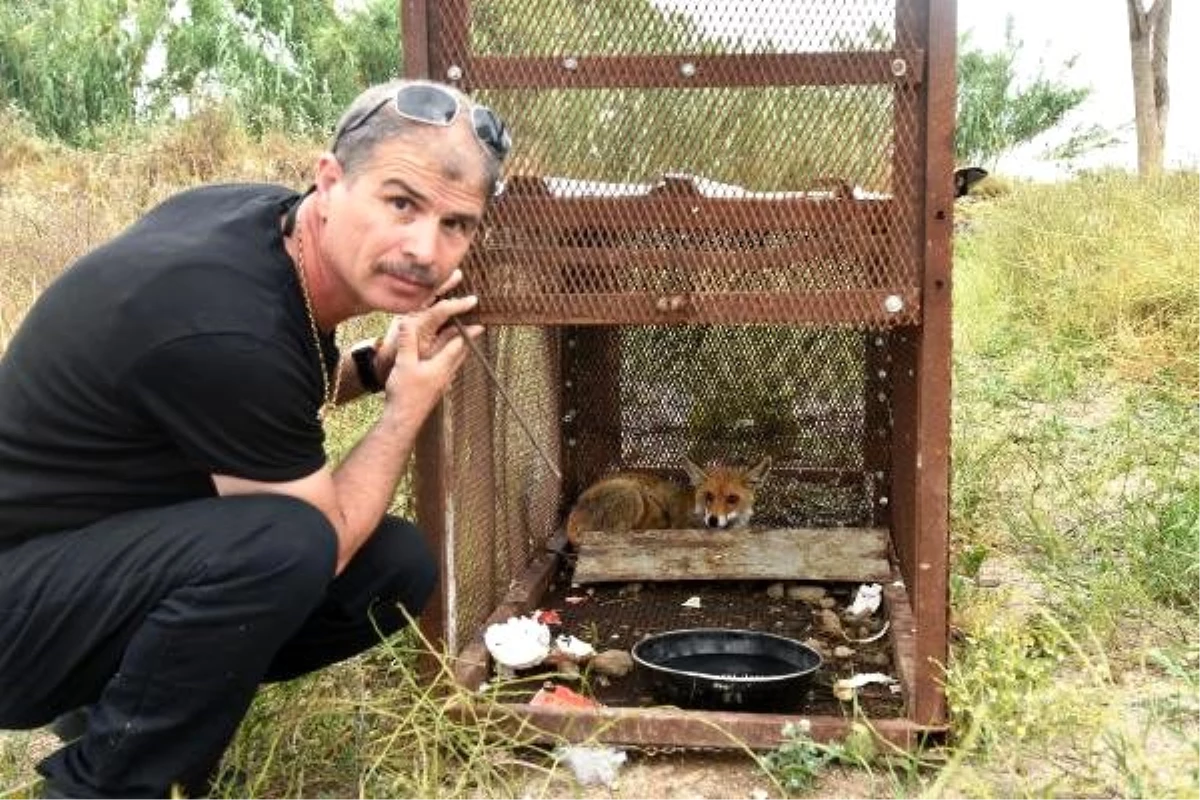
pixel 500 388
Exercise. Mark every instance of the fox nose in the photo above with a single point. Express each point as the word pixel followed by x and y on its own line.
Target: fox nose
pixel 713 521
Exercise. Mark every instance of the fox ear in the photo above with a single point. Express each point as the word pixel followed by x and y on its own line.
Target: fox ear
pixel 695 473
pixel 759 471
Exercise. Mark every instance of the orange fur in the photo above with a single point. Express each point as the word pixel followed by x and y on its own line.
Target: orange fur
pixel 719 497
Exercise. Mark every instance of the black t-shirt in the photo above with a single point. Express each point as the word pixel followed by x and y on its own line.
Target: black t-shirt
pixel 180 349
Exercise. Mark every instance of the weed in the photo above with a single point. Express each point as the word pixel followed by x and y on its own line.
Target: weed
pixel 799 760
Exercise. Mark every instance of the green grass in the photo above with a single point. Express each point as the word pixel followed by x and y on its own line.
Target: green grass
pixel 1074 479
pixel 1075 471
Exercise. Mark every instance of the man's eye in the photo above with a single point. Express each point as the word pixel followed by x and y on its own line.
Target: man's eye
pixel 461 227
pixel 402 203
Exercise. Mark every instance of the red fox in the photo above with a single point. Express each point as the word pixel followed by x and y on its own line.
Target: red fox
pixel 719 497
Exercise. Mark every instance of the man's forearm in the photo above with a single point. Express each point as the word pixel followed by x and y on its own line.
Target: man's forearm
pixel 366 479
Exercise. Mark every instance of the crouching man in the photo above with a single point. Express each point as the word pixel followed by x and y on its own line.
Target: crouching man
pixel 171 535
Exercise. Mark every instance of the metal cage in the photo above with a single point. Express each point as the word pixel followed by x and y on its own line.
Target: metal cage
pixel 725 232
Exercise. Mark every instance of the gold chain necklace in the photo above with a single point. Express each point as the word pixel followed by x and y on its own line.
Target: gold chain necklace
pixel 329 392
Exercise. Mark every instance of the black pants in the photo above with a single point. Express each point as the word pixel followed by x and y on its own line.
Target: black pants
pixel 166 621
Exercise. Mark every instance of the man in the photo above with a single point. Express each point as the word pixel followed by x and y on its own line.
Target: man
pixel 171 535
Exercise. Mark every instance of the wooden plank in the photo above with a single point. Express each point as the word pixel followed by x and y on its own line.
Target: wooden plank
pixel 827 554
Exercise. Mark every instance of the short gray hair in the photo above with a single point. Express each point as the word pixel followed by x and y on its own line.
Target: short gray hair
pixel 355 148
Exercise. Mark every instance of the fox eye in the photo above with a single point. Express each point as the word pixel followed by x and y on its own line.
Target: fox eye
pixel 732 499
pixel 708 497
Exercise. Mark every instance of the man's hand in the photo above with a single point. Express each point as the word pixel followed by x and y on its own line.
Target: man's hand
pixel 432 333
pixel 422 352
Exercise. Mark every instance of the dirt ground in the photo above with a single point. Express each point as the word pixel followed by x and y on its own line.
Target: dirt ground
pixel 663 776
pixel 702 776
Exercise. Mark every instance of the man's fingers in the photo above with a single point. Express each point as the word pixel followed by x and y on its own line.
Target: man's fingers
pixel 474 331
pixel 441 311
pixel 448 357
pixel 454 280
pixel 456 331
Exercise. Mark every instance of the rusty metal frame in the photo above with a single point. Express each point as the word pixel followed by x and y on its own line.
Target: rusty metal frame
pixel 680 727
pixel 919 345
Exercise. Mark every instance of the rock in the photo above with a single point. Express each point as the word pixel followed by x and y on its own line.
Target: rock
pixel 877 659
pixel 841 651
pixel 614 663
pixel 776 591
pixel 808 594
pixel 828 622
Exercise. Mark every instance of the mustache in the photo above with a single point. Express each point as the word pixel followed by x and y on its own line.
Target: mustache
pixel 420 274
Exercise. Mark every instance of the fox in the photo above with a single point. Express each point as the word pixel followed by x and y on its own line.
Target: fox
pixel 719 497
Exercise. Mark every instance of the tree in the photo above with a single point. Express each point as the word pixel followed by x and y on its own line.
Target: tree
pixel 77 68
pixel 1149 33
pixel 996 114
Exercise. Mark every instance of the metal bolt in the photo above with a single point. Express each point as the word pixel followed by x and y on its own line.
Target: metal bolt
pixel 670 303
pixel 883 501
pixel 893 304
pixel 570 63
pixel 454 72
pixel 899 67
pixel 687 69
pixel 882 374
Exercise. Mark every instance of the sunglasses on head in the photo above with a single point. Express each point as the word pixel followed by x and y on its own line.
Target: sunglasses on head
pixel 432 104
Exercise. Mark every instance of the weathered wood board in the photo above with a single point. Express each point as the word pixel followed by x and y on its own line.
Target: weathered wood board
pixel 808 554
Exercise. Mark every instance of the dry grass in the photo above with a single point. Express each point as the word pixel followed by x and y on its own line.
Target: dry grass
pixel 59 203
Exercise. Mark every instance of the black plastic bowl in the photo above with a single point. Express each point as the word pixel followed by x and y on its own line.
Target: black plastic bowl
pixel 719 669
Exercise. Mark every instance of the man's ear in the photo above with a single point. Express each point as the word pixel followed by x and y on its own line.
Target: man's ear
pixel 695 473
pixel 328 173
pixel 759 471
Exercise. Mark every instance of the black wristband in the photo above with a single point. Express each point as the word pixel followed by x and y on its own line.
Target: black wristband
pixel 364 365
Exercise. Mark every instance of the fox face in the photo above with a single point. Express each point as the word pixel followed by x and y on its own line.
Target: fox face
pixel 724 496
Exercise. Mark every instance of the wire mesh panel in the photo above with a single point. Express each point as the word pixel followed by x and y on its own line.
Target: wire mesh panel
pixel 696 160
pixel 733 394
pixel 505 496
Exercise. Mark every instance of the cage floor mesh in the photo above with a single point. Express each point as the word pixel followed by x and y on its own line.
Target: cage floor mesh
pixel 617 616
